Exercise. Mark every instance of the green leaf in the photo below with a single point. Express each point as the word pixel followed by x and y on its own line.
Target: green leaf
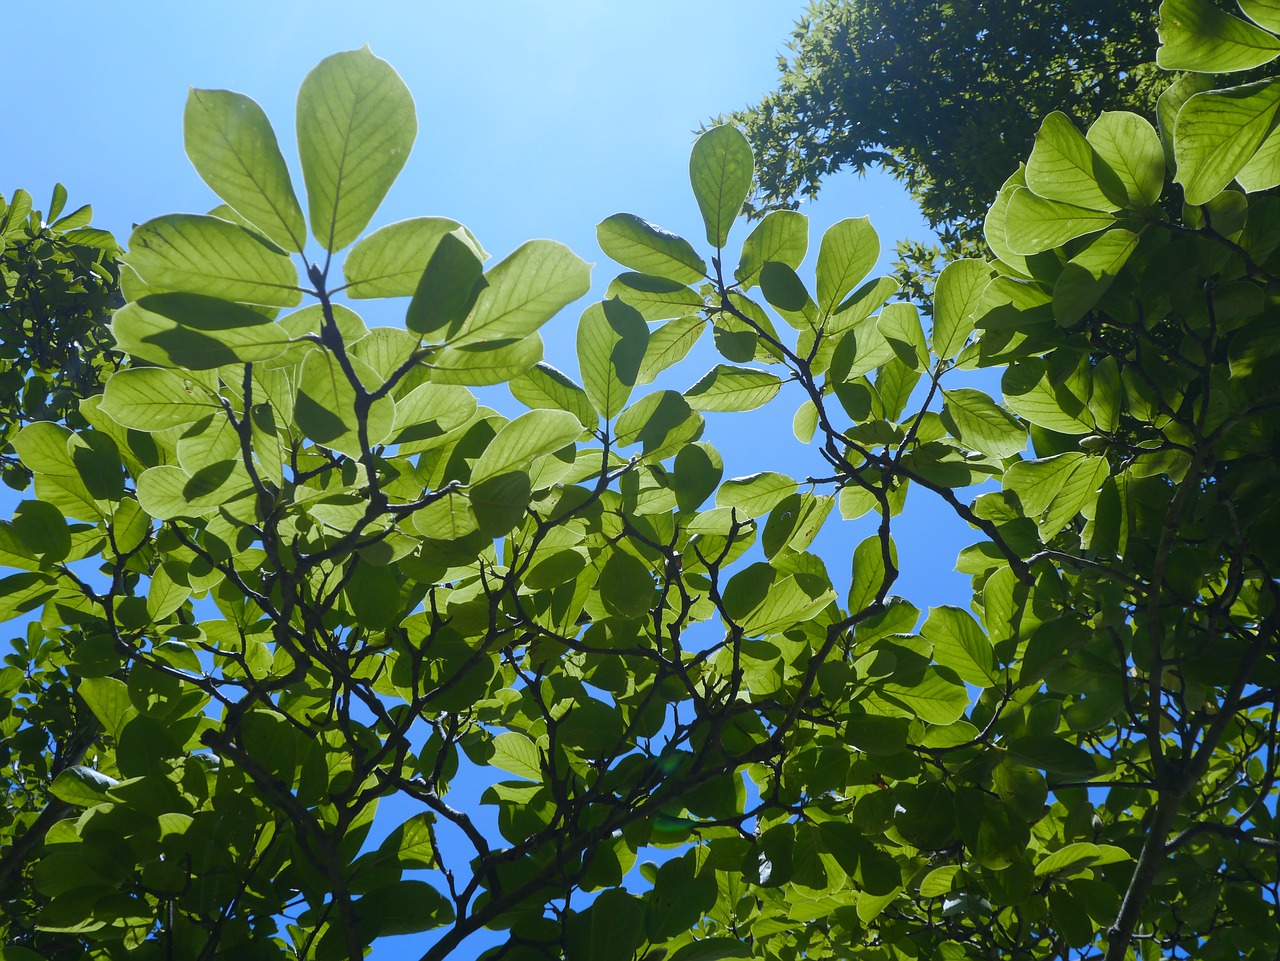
pixel 516 754
pixel 756 494
pixel 1064 167
pixel 617 926
pixel 655 297
pixel 1131 148
pixel 150 399
pixel 1033 224
pixel 1218 132
pixel 696 473
pixel 612 338
pixel 763 600
pixel 1055 408
pixel 933 698
pixel 959 643
pixel 727 388
pixel 782 236
pixel 524 291
pixel 478 365
pixel 42 531
pixel 325 408
pixel 449 287
pixel 42 446
pixel 1265 13
pixel 1089 275
pixel 954 298
pixel 848 251
pixel 20 593
pixel 720 171
pixel 869 571
pixel 1053 754
pixel 405 907
pixel 899 325
pixel 662 421
pixel 713 949
pixel 196 332
pixel 981 424
pixel 391 260
pixel 205 255
pixel 544 386
pixel 356 126
pixel 669 344
pixel 1053 490
pixel 626 586
pixel 532 434
pixel 1196 35
pixel 939 881
pixel 645 247
pixel 82 786
pixel 109 701
pixel 234 150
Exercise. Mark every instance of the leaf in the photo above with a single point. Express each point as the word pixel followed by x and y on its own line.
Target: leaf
pixel 1033 224
pixel 869 572
pixel 448 289
pixel 544 386
pixel 109 701
pixel 1131 148
pixel 848 251
pixel 1089 275
pixel 696 472
pixel 234 150
pixel 325 408
pixel 405 907
pixel 721 167
pixel 645 247
pixel 617 926
pixel 356 126
pixel 669 344
pixel 782 236
pixel 713 949
pixel 1064 167
pixel 196 332
pixel 1218 132
pixel 1053 754
pixel 626 586
pixel 1055 408
pixel 663 421
pixel 516 754
pixel 939 881
pixel 1069 859
pixel 391 260
pixel 82 786
pixel 524 291
pixel 763 600
pixel 655 297
pixel 612 338
pixel 150 399
pixel 478 365
pixel 981 424
pixel 960 644
pixel 755 494
pixel 899 325
pixel 933 698
pixel 532 434
pixel 41 530
pixel 954 298
pixel 20 593
pixel 1057 487
pixel 727 388
pixel 1196 35
pixel 205 255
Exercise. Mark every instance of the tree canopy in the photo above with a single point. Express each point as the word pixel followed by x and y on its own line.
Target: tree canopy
pixel 945 96
pixel 293 568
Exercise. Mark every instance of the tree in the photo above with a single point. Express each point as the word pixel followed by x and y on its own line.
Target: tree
pixel 327 576
pixel 945 96
pixel 59 282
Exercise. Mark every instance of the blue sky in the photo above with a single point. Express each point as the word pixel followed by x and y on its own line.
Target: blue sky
pixel 537 119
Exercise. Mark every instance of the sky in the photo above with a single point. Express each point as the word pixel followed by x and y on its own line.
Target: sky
pixel 536 119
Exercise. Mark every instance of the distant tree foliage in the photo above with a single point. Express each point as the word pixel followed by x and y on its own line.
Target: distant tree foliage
pixel 946 96
pixel 59 282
